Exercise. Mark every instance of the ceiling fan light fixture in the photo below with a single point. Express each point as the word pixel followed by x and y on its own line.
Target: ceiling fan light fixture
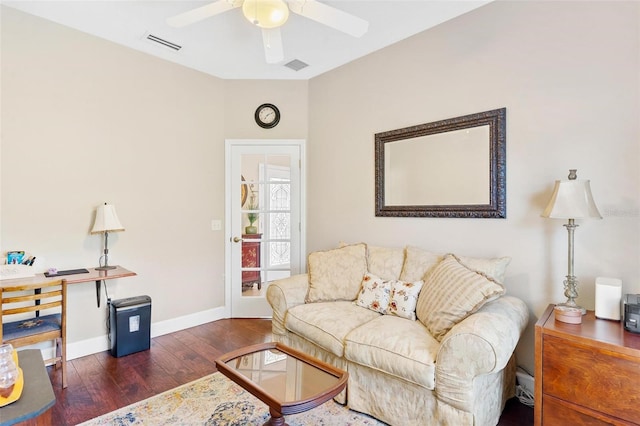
pixel 266 13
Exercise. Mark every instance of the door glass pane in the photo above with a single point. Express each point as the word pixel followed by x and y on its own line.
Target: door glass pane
pixel 266 221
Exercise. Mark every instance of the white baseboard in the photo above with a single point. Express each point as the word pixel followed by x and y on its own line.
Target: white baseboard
pixel 176 324
pixel 100 344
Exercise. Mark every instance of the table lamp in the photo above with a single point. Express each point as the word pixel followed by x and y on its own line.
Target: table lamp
pixel 571 200
pixel 106 221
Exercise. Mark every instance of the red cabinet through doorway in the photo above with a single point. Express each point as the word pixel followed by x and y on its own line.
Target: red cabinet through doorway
pixel 251 259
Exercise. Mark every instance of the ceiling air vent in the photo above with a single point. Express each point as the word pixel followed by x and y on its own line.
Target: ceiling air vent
pixel 296 65
pixel 163 42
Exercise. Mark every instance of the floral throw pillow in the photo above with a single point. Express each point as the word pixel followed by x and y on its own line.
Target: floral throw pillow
pixel 404 297
pixel 390 297
pixel 374 293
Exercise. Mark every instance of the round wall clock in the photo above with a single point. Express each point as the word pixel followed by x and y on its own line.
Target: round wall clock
pixel 267 116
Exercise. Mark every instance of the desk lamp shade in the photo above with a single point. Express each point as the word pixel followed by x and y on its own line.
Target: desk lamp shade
pixel 106 221
pixel 571 199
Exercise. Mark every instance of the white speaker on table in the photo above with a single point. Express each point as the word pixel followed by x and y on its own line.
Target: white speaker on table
pixel 608 298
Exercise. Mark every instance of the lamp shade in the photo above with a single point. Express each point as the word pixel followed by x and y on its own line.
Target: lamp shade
pixel 572 199
pixel 106 220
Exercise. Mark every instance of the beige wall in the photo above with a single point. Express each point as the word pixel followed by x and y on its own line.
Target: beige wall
pixel 568 75
pixel 85 121
pixel 242 97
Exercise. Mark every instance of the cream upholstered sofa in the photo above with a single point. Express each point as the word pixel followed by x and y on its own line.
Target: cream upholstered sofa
pixel 427 339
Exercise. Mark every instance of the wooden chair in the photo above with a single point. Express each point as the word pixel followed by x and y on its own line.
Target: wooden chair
pixel 33 313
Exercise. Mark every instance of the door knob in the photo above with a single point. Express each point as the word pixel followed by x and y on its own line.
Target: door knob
pixel 237 239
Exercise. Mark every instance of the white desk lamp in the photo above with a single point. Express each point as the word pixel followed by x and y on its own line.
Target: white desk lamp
pixel 106 221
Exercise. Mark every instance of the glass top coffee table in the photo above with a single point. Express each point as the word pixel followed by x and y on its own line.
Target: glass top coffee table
pixel 287 380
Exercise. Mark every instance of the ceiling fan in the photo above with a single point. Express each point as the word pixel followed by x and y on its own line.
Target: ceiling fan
pixel 270 15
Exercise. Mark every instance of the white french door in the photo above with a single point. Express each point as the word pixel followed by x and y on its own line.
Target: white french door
pixel 264 211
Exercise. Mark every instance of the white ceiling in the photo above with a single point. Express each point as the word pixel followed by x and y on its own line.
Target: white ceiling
pixel 228 46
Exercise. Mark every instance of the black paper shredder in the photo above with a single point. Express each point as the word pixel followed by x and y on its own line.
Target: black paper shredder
pixel 130 325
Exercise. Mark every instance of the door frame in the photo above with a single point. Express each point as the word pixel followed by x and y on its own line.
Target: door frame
pixel 228 236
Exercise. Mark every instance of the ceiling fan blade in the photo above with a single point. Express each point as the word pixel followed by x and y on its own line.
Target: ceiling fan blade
pixel 198 14
pixel 330 16
pixel 272 41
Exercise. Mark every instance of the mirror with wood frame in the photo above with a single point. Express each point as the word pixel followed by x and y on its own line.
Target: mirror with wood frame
pixel 449 168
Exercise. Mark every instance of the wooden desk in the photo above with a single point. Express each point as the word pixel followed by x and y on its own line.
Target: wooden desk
pixel 34 405
pixel 92 275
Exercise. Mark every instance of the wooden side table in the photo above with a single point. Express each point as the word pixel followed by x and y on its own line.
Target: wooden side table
pixel 586 374
pixel 34 406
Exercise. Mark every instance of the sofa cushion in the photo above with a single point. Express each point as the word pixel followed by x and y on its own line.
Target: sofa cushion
pixel 492 267
pixel 336 274
pixel 452 292
pixel 374 294
pixel 417 263
pixel 327 323
pixel 404 297
pixel 385 262
pixel 401 348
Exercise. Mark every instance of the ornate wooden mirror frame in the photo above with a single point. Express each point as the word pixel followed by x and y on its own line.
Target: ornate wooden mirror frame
pixel 450 168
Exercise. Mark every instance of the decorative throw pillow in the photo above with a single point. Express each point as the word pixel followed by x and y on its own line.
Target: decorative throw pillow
pixel 336 274
pixel 374 294
pixel 494 268
pixel 404 296
pixel 418 263
pixel 451 293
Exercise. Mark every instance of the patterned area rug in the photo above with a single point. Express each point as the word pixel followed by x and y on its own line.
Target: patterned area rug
pixel 217 401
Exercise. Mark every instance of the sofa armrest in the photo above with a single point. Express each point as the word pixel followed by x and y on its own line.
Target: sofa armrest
pixel 481 344
pixel 283 295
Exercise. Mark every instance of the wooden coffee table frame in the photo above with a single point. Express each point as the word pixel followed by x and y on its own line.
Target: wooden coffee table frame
pixel 278 409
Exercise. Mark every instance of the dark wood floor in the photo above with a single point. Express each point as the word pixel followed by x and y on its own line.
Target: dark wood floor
pixel 100 383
